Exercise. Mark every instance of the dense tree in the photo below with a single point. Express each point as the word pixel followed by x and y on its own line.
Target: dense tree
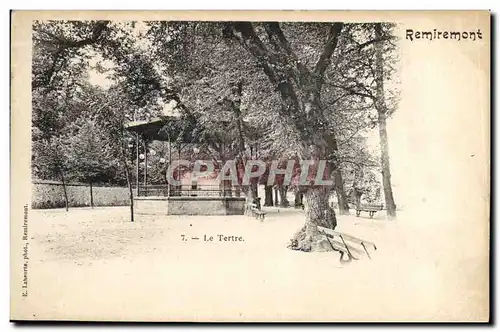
pixel 49 162
pixel 84 147
pixel 62 51
pixel 371 67
pixel 109 112
pixel 383 111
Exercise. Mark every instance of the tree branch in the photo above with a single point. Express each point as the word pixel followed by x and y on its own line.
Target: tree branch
pixel 245 34
pixel 328 49
pixel 281 44
pixel 354 92
pixel 368 43
pixel 64 42
pixel 356 131
pixel 357 163
pixel 272 66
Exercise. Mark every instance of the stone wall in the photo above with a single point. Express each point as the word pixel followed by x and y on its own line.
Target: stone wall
pixel 155 205
pixel 190 205
pixel 50 194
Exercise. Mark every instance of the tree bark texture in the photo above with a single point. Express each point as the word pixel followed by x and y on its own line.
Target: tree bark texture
pixel 130 192
pixel 91 195
pixel 339 190
pixel 283 199
pixel 300 90
pixel 318 213
pixel 268 192
pixel 66 203
pixel 298 199
pixel 381 107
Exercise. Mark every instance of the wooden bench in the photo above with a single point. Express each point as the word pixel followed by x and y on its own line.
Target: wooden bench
pixel 370 208
pixel 346 244
pixel 258 214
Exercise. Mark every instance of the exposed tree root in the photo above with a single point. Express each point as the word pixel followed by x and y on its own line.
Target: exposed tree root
pixel 318 213
pixel 309 241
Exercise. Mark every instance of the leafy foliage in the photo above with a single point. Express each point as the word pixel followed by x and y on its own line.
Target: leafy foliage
pixel 84 146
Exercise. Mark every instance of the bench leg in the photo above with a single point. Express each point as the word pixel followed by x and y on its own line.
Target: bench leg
pixel 371 214
pixel 343 260
pixel 364 247
pixel 357 213
pixel 341 252
pixel 349 254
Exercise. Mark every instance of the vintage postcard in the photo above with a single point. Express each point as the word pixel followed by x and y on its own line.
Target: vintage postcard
pixel 246 166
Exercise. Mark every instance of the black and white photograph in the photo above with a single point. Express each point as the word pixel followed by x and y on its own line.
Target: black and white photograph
pixel 250 166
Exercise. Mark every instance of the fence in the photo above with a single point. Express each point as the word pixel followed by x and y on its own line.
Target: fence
pixel 50 194
pixel 192 191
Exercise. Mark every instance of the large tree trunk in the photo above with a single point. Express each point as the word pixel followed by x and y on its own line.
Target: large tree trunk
pixel 317 208
pixel 386 170
pixel 91 196
pixel 357 196
pixel 249 198
pixel 66 203
pixel 300 91
pixel 268 192
pixel 235 103
pixel 129 184
pixel 255 189
pixel 130 192
pixel 381 107
pixel 357 191
pixel 318 213
pixel 226 188
pixel 283 199
pixel 298 199
pixel 339 190
pixel 128 176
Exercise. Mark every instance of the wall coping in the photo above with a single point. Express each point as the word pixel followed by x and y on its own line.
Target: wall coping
pixel 187 198
pixel 78 184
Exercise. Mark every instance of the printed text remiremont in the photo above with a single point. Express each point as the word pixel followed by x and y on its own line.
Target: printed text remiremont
pixel 436 34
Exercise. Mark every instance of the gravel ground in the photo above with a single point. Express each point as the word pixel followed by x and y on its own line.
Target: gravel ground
pixel 94 264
